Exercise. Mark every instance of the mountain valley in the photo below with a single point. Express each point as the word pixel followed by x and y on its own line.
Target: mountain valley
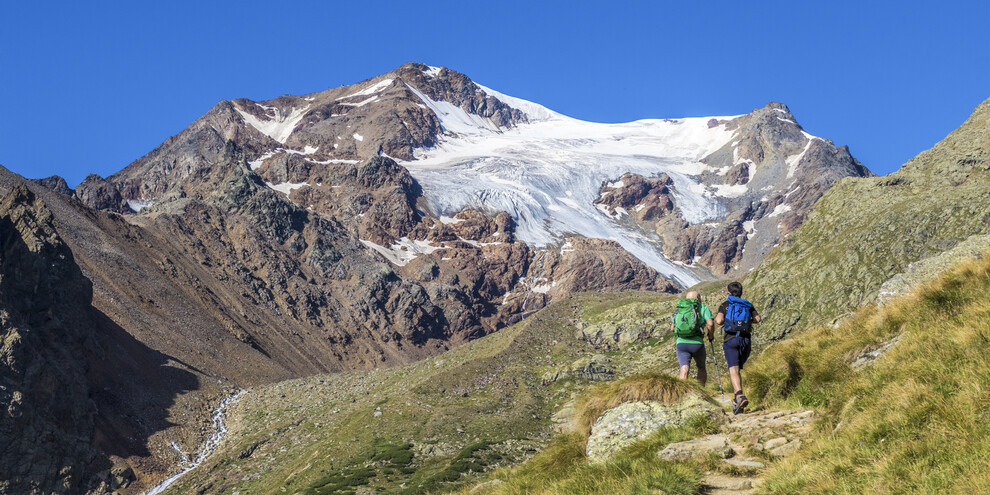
pixel 414 280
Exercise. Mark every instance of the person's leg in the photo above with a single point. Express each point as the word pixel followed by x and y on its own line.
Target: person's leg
pixel 733 358
pixel 683 359
pixel 699 359
pixel 736 379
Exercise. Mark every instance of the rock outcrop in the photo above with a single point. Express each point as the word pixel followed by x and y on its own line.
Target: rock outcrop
pixel 863 232
pixel 630 422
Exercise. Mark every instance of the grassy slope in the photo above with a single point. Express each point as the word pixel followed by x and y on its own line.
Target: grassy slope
pixel 913 421
pixel 864 231
pixel 917 420
pixel 562 467
pixel 314 434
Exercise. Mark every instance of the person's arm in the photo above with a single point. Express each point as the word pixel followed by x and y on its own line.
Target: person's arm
pixel 756 316
pixel 720 319
pixel 710 326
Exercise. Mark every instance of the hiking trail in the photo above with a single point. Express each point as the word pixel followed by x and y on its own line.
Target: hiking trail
pixel 744 444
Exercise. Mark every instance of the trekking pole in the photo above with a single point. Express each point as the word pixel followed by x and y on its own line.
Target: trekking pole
pixel 718 377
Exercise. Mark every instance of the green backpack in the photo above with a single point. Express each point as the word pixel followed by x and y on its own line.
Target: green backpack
pixel 687 319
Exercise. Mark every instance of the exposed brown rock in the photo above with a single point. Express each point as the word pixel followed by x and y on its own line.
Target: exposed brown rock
pixel 643 199
pixel 101 194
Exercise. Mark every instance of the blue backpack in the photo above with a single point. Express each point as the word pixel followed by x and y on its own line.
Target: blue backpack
pixel 737 317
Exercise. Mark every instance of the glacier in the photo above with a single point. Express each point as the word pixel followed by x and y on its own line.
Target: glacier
pixel 547 173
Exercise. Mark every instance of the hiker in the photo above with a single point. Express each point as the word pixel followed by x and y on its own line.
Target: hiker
pixel 736 316
pixel 691 317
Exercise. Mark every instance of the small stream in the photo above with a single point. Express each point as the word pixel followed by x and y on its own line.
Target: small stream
pixel 219 431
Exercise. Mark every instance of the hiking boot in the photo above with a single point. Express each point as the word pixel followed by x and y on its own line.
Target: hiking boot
pixel 739 404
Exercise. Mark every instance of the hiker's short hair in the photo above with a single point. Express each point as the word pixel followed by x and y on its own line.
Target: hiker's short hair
pixel 735 289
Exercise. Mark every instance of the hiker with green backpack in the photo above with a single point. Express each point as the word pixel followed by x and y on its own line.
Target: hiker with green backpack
pixel 690 323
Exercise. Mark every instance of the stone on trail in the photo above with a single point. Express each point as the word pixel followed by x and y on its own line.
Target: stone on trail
pixel 787 449
pixel 680 451
pixel 746 463
pixel 774 443
pixel 630 422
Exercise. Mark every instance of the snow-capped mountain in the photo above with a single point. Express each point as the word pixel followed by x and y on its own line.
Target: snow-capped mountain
pixel 469 146
pixel 737 183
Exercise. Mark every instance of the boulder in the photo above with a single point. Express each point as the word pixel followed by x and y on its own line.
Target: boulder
pixel 630 422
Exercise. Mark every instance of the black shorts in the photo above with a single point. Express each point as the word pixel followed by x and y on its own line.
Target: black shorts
pixel 737 351
pixel 687 351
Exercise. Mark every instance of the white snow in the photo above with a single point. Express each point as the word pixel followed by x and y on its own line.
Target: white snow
pixel 779 210
pixel 542 288
pixel 370 90
pixel 566 248
pixel 789 121
pixel 450 220
pixel 727 191
pixel 431 71
pixel 534 112
pixel 362 102
pixel 454 119
pixel 358 137
pixel 278 127
pixel 750 227
pixel 254 164
pixel 286 187
pixel 616 185
pixel 136 205
pixel 527 171
pixel 403 251
pixel 793 160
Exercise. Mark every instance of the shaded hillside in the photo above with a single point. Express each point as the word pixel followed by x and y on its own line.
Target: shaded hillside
pixel 81 398
pixel 865 231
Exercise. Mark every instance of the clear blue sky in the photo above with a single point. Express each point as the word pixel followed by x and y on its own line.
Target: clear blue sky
pixel 90 86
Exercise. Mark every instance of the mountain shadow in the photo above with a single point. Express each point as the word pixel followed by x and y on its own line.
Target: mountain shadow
pixel 78 395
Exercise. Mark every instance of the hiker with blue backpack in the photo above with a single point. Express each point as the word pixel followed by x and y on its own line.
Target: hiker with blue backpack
pixel 737 316
pixel 690 323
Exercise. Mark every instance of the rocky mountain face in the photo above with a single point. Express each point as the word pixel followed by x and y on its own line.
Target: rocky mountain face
pixel 764 181
pixel 78 395
pixel 865 232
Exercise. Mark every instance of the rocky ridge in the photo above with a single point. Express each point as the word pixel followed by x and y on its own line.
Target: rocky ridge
pixel 863 232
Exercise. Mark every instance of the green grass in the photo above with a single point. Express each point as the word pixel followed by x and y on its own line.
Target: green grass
pixel 562 468
pixel 915 421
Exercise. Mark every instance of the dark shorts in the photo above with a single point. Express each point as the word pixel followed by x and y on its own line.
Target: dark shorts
pixel 687 351
pixel 737 351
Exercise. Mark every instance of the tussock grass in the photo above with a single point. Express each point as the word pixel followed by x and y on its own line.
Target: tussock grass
pixel 917 420
pixel 651 386
pixel 562 468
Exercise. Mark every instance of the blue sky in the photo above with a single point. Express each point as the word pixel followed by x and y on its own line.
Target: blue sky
pixel 90 86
